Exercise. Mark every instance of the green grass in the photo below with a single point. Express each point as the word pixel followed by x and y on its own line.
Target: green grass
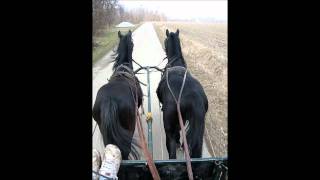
pixel 107 40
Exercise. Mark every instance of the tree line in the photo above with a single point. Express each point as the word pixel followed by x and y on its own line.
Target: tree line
pixel 107 13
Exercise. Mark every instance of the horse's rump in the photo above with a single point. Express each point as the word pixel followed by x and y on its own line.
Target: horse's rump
pixel 193 105
pixel 116 112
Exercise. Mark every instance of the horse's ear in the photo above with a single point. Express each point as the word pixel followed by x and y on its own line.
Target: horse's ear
pixel 177 32
pixel 167 33
pixel 119 34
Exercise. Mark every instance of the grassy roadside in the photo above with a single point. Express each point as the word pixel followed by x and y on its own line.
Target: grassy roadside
pixel 106 41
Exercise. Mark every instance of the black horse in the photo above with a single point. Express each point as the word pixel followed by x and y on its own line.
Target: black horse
pixel 114 109
pixel 193 104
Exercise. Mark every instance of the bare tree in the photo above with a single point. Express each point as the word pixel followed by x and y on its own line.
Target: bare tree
pixel 121 13
pixel 106 13
pixel 103 14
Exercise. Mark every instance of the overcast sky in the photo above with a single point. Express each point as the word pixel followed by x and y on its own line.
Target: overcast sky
pixel 183 9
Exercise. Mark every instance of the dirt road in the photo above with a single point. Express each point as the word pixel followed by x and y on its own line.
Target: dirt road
pixel 147 52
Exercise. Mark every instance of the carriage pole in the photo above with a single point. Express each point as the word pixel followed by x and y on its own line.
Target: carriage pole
pixel 149 115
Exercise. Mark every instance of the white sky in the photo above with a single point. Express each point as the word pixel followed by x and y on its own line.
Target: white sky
pixel 183 9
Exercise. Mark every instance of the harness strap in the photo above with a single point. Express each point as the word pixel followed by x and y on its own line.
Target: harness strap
pixel 169 64
pixel 185 145
pixel 136 62
pixel 129 75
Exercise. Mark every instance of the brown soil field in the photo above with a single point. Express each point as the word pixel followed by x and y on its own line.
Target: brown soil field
pixel 204 48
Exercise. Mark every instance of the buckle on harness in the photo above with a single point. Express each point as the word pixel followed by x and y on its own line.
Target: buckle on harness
pixel 149 116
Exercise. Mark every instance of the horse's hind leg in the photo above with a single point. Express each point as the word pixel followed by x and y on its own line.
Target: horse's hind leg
pixel 178 138
pixel 171 133
pixel 197 149
pixel 177 135
pixel 171 145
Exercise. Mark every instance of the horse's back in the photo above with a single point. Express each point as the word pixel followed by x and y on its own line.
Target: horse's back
pixel 192 93
pixel 193 99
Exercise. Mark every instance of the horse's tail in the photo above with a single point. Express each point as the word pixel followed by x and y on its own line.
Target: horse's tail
pixel 195 129
pixel 113 132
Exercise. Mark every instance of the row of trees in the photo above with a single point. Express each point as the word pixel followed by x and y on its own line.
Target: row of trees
pixel 103 12
pixel 139 15
pixel 107 13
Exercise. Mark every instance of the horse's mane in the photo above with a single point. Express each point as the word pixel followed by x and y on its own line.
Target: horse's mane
pixel 122 52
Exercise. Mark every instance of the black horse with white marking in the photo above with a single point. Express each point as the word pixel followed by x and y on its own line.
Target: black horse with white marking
pixel 114 109
pixel 193 104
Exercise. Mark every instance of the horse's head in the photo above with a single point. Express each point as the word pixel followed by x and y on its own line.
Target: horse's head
pixel 173 48
pixel 124 50
pixel 172 43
